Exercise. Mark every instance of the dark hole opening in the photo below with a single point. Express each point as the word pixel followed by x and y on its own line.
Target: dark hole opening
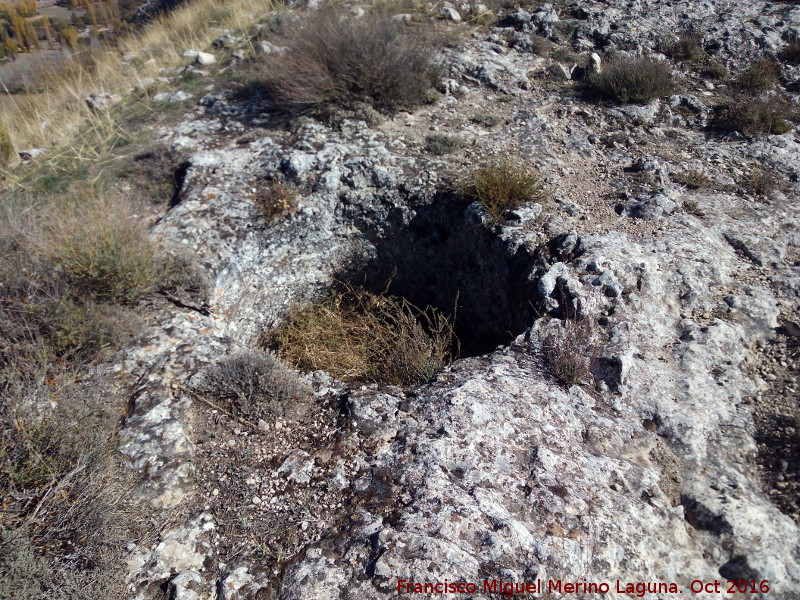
pixel 446 255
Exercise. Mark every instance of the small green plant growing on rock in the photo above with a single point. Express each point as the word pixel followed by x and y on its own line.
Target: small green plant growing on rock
pixel 503 186
pixel 638 80
pixel 356 335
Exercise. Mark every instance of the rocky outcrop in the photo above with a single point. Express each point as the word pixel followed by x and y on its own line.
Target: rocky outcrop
pixel 494 471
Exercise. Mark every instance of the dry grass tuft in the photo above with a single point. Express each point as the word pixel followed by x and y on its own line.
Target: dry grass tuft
pixel 358 336
pixel 503 186
pixel 692 179
pixel 100 248
pixel 571 349
pixel 334 58
pixel 687 46
pixel 637 80
pixel 440 144
pixel 276 198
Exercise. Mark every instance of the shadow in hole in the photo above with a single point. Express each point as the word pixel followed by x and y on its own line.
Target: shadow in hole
pixel 445 255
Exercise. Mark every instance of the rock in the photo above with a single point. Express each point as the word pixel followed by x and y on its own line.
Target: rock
pixel 595 63
pixel 450 14
pixel 205 58
pixel 102 101
pixel 546 15
pixel 559 72
pixel 652 208
pixel 226 41
pixel 30 154
pixel 518 18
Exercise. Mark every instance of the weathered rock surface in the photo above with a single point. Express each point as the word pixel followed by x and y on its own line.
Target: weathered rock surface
pixel 494 470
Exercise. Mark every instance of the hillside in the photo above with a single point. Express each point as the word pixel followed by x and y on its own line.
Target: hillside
pixel 328 301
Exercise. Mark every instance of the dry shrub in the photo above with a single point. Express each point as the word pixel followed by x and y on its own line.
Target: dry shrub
pixel 759 75
pixel 100 248
pixel 503 186
pixel 752 116
pixel 335 58
pixel 571 349
pixel 761 182
pixel 692 179
pixel 686 46
pixel 637 80
pixel 356 335
pixel 254 385
pixel 791 53
pixel 713 68
pixel 440 144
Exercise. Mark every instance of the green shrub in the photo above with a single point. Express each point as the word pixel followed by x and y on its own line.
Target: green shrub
pixel 356 335
pixel 638 80
pixel 753 116
pixel 503 186
pixel 759 75
pixel 335 58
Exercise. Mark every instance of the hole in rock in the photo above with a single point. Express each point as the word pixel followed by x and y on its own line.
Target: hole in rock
pixel 445 254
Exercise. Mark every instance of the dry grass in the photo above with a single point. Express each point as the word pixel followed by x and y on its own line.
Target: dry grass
pixel 637 80
pixel 503 186
pixel 101 249
pixel 358 336
pixel 762 182
pixel 334 58
pixel 571 349
pixel 440 144
pixel 276 198
pixel 692 179
pixel 67 508
pixel 54 117
pixel 687 46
